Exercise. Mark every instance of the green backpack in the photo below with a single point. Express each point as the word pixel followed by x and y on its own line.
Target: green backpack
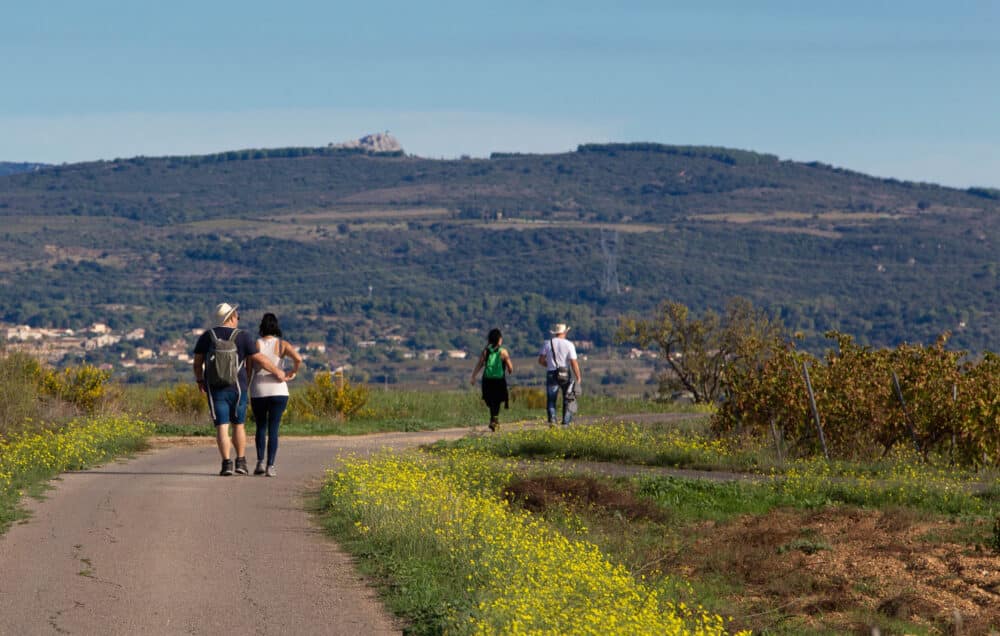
pixel 494 363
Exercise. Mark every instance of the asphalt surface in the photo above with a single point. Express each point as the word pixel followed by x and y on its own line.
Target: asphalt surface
pixel 160 544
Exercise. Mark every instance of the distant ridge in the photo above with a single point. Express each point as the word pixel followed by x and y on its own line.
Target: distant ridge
pixel 9 167
pixel 385 242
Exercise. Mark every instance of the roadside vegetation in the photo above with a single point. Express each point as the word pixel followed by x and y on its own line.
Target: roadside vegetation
pixel 872 503
pixel 332 406
pixel 783 547
pixel 463 560
pixel 866 497
pixel 56 420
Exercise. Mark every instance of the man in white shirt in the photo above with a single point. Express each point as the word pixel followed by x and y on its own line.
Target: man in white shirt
pixel 558 356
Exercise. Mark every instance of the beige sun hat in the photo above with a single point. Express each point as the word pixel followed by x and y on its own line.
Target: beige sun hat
pixel 558 328
pixel 223 311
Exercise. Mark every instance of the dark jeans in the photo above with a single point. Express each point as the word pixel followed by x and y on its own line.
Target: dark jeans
pixel 267 412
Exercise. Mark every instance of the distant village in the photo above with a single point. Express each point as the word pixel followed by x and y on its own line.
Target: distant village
pixel 130 351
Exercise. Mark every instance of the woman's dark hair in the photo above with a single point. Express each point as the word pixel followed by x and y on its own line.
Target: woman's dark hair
pixel 494 337
pixel 269 326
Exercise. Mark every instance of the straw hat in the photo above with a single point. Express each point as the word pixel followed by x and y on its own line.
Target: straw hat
pixel 223 311
pixel 558 328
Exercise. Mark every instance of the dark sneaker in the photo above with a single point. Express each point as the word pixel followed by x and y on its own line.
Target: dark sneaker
pixel 494 424
pixel 272 471
pixel 241 466
pixel 227 468
pixel 259 470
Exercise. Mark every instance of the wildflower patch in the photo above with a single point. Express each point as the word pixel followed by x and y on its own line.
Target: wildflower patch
pixel 30 458
pixel 520 574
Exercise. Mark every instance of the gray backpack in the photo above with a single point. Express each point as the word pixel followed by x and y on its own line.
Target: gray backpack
pixel 222 365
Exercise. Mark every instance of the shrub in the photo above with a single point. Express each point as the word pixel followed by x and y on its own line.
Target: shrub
pixel 184 399
pixel 328 397
pixel 943 405
pixel 83 386
pixel 531 398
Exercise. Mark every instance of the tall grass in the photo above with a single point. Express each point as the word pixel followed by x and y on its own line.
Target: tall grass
pixel 34 396
pixel 54 420
pixel 385 410
pixel 19 391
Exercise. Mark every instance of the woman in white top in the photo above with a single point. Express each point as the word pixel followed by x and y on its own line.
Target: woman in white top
pixel 268 395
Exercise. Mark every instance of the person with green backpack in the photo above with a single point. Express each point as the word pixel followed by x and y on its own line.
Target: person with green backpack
pixel 495 363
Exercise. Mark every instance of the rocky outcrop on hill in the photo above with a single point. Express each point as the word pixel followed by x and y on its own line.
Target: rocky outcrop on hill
pixel 377 142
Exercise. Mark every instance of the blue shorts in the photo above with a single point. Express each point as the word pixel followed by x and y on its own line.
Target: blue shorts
pixel 227 406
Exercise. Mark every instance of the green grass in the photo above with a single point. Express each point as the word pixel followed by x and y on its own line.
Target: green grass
pixel 416 584
pixel 692 500
pixel 902 480
pixel 34 485
pixel 428 410
pixel 392 410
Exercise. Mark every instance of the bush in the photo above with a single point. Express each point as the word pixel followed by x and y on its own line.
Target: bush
pixel 530 397
pixel 328 397
pixel 952 408
pixel 184 399
pixel 83 386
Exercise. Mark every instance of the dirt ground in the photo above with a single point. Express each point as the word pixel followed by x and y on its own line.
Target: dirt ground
pixel 833 562
pixel 841 569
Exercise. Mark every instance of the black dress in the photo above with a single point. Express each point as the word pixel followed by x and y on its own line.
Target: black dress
pixel 495 392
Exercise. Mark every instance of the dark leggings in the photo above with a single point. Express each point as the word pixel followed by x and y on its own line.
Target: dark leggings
pixel 494 409
pixel 495 394
pixel 267 413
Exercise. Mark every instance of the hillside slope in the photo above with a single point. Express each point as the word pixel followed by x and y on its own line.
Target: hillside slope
pixel 352 246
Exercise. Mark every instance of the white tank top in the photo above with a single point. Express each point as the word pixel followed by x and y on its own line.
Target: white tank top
pixel 264 383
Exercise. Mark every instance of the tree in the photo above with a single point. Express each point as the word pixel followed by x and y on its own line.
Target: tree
pixel 705 354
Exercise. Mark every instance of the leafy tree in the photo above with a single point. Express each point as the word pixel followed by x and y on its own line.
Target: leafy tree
pixel 705 354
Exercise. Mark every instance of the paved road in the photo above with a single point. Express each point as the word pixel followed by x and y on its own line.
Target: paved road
pixel 160 544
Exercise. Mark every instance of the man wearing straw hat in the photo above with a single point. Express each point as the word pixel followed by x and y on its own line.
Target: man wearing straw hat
pixel 558 356
pixel 227 402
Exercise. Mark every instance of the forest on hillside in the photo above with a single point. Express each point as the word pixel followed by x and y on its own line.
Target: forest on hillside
pixel 350 246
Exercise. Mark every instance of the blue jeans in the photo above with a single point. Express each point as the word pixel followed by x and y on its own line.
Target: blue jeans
pixel 552 389
pixel 267 412
pixel 227 406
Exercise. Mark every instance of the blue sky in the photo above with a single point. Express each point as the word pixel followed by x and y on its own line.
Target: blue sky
pixel 897 89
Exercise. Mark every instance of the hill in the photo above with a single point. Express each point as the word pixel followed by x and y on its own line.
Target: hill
pixel 8 167
pixel 351 247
